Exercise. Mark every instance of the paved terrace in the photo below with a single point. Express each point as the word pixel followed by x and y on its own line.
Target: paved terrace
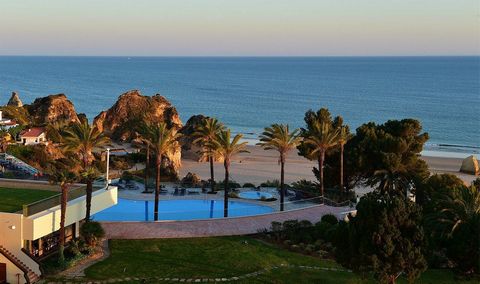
pixel 215 227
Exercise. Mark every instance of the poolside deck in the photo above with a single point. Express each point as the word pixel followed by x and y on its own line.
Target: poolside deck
pixel 214 227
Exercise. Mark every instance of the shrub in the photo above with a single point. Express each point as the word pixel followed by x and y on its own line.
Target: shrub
pixel 274 183
pixel 248 185
pixel 329 218
pixel 92 231
pixel 231 185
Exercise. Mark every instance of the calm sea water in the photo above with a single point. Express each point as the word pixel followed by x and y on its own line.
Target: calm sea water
pixel 251 93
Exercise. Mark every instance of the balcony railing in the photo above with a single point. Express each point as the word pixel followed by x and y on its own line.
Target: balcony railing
pixel 50 202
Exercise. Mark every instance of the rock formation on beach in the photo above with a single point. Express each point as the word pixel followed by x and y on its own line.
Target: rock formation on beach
pixel 131 109
pixel 189 150
pixel 470 165
pixel 15 100
pixel 50 109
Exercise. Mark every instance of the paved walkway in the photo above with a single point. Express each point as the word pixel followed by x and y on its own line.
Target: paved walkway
pixel 215 227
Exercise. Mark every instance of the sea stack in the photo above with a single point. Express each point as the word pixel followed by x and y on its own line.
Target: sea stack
pixel 15 100
pixel 120 122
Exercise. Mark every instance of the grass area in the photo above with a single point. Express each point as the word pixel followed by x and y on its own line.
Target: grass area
pixel 12 199
pixel 223 257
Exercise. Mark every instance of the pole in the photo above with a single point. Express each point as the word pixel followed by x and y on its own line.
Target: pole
pixel 108 167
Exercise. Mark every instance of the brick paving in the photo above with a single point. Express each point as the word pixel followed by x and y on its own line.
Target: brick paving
pixel 214 227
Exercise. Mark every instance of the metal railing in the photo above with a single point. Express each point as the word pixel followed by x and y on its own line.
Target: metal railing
pixel 50 202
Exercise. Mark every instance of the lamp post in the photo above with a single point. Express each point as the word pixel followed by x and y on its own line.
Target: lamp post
pixel 108 167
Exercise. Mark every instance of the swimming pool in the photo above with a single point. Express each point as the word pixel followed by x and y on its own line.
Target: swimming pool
pixel 135 210
pixel 257 195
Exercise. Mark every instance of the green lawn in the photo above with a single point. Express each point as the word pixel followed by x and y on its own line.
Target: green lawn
pixel 222 257
pixel 12 199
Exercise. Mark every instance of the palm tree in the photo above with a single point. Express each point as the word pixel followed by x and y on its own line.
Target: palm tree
pixel 60 173
pixel 342 139
pixel 323 137
pixel 82 139
pixel 204 134
pixel 278 137
pixel 225 149
pixel 456 209
pixel 162 140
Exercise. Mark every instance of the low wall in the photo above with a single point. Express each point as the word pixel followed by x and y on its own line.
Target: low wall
pixel 215 227
pixel 31 184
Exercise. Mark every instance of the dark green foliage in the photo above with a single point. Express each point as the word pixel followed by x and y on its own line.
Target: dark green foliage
pixel 245 185
pixel 476 183
pixel 436 185
pixel 385 237
pixel 231 185
pixel 330 219
pixel 18 114
pixel 91 231
pixel 273 183
pixel 306 186
pixel 453 225
pixel 386 156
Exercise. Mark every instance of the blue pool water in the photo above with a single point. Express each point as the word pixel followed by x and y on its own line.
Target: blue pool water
pixel 136 210
pixel 255 195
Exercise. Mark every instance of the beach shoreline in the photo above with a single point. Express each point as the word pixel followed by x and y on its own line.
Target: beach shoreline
pixel 261 165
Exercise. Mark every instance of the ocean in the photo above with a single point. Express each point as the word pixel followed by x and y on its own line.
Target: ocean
pixel 249 93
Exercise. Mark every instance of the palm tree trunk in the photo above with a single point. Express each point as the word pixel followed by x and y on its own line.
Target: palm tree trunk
pixel 157 186
pixel 225 200
pixel 63 209
pixel 341 169
pixel 88 200
pixel 212 177
pixel 147 165
pixel 321 161
pixel 282 186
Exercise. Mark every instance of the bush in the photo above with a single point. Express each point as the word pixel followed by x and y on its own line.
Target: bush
pixel 248 185
pixel 329 218
pixel 274 183
pixel 92 231
pixel 231 185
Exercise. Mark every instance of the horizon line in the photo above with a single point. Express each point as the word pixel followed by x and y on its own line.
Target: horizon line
pixel 238 56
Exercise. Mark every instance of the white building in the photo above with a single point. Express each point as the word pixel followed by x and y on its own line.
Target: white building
pixel 33 136
pixel 27 236
pixel 6 123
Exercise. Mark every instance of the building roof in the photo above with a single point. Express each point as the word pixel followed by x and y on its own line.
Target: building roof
pixel 8 122
pixel 32 132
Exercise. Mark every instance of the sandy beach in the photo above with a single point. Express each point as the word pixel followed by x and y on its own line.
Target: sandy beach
pixel 260 165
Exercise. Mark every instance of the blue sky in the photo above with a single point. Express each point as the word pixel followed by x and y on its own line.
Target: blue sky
pixel 239 28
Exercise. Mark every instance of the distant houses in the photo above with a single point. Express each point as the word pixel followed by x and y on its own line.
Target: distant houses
pixel 33 136
pixel 7 123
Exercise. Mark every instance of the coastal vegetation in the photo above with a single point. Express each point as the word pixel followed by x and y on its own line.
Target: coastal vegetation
pixel 205 133
pixel 60 173
pixel 81 139
pixel 163 141
pixel 225 148
pixel 410 222
pixel 279 138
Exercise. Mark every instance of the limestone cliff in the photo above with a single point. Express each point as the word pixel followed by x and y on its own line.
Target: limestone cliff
pixel 51 109
pixel 131 109
pixel 189 150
